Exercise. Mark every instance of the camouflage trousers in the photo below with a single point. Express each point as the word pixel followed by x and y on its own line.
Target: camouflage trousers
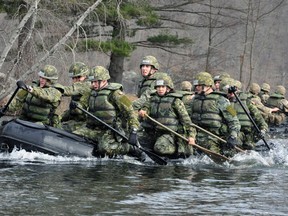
pixel 72 125
pixel 165 144
pixel 247 138
pixel 107 143
pixel 214 144
pixel 276 119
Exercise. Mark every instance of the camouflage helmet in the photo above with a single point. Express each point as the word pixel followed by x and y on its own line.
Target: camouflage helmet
pixel 280 90
pixel 238 84
pixel 186 86
pixel 224 75
pixel 254 88
pixel 165 81
pixel 265 87
pixel 203 78
pixel 217 78
pixel 49 72
pixel 226 83
pixel 99 73
pixel 78 69
pixel 150 60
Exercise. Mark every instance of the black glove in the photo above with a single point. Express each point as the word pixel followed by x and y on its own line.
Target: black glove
pixel 232 89
pixel 232 141
pixel 73 105
pixel 133 137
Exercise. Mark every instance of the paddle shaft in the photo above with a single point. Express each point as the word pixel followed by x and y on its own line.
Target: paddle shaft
pixel 207 151
pixel 251 119
pixel 10 100
pixel 152 155
pixel 215 136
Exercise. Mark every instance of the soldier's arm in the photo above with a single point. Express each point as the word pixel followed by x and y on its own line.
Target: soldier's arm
pixel 78 88
pixel 18 101
pixel 257 117
pixel 138 103
pixel 124 104
pixel 184 118
pixel 51 95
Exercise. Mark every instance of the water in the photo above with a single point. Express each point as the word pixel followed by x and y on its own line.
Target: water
pixel 39 184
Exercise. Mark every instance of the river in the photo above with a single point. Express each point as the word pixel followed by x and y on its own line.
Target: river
pixel 39 184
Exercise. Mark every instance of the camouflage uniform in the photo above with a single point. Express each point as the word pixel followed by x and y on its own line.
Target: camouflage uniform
pixel 71 120
pixel 214 113
pixel 146 85
pixel 277 99
pixel 171 112
pixel 256 100
pixel 41 104
pixel 264 93
pixel 186 91
pixel 111 106
pixel 247 136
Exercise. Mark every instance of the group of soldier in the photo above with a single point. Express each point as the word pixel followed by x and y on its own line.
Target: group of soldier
pixel 216 105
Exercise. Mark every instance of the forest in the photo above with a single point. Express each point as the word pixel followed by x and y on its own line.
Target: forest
pixel 245 38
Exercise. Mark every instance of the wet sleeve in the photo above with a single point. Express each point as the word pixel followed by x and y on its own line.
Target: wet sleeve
pixel 124 105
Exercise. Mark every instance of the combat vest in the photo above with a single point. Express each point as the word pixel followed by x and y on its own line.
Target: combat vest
pixel 241 115
pixel 145 84
pixel 162 111
pixel 275 100
pixel 37 110
pixel 101 106
pixel 205 112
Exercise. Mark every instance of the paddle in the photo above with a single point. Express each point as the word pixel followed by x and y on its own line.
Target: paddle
pixel 156 158
pixel 217 137
pixel 20 84
pixel 214 155
pixel 249 116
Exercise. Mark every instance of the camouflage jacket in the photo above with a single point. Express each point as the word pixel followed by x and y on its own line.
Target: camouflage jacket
pixel 118 99
pixel 176 110
pixel 146 87
pixel 214 113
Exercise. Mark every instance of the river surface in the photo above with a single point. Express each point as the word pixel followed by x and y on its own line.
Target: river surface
pixel 39 184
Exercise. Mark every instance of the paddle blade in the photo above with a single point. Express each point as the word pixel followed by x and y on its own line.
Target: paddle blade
pixel 156 158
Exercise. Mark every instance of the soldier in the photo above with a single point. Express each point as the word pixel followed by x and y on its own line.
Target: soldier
pixel 248 135
pixel 255 99
pixel 264 92
pixel 39 102
pixel 188 94
pixel 106 101
pixel 149 70
pixel 277 99
pixel 166 107
pixel 79 72
pixel 213 112
pixel 217 80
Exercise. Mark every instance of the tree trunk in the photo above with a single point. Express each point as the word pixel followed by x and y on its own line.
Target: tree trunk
pixel 116 68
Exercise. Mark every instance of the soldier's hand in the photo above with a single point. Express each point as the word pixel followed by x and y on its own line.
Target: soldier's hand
pixel 191 141
pixel 133 137
pixel 73 105
pixel 232 141
pixel 142 113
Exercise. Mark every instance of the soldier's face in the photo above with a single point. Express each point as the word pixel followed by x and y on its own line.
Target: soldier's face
pixel 78 79
pixel 98 84
pixel 147 70
pixel 42 82
pixel 161 90
pixel 217 84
